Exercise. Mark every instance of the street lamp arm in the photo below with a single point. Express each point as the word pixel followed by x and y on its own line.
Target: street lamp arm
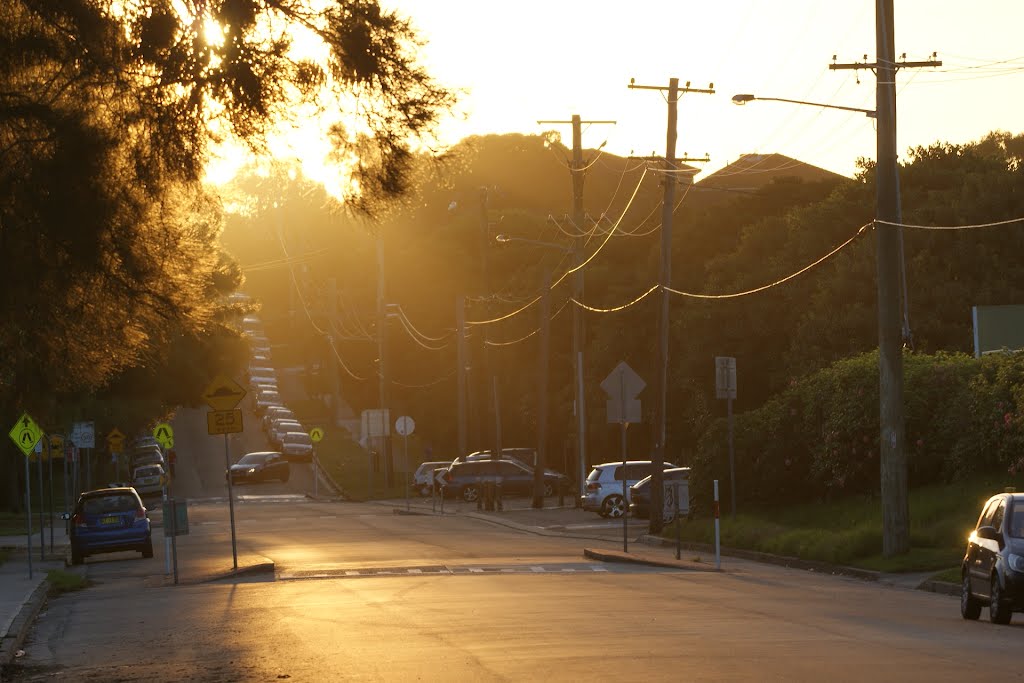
pixel 744 98
pixel 505 239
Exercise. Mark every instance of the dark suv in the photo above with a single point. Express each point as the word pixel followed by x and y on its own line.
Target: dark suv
pixel 466 479
pixel 993 568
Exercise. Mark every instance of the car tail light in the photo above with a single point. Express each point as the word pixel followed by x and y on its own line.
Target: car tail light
pixel 140 513
pixel 593 486
pixel 448 477
pixel 78 519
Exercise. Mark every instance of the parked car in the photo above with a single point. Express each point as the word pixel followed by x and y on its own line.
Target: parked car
pixel 149 479
pixel 603 492
pixel 274 412
pixel 109 520
pixel 640 495
pixel 261 466
pixel 148 456
pixel 424 475
pixel 992 572
pixel 527 457
pixel 297 446
pixel 466 479
pixel 280 427
pixel 266 400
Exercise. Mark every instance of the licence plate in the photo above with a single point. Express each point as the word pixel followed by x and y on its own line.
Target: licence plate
pixel 110 520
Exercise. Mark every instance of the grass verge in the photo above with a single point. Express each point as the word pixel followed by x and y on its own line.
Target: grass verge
pixel 65 582
pixel 849 531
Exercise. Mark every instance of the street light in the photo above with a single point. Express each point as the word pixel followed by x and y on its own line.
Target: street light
pixel 744 98
pixel 889 263
pixel 542 422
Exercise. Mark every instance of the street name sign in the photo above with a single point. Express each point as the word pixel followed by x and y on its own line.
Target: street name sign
pixel 224 422
pixel 725 377
pixel 25 433
pixel 223 393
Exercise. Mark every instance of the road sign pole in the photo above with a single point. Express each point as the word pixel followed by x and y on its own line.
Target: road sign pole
pixel 167 533
pixel 174 536
pixel 42 527
pixel 732 461
pixel 50 444
pixel 231 503
pixel 88 469
pixel 718 546
pixel 28 512
pixel 405 466
pixel 625 511
pixel 67 492
pixel 316 477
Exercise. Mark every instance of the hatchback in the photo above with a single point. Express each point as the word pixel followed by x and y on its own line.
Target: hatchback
pixel 992 572
pixel 297 446
pixel 149 479
pixel 604 490
pixel 107 521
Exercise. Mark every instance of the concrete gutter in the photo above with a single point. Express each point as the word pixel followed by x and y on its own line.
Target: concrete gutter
pixel 639 558
pixel 18 629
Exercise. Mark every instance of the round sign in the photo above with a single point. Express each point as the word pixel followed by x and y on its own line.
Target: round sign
pixel 316 434
pixel 405 425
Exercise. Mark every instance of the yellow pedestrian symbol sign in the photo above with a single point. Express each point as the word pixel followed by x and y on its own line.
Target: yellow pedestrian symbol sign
pixel 164 435
pixel 25 433
pixel 316 434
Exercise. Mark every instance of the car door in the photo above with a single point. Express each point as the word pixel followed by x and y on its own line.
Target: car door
pixel 990 549
pixel 515 481
pixel 976 551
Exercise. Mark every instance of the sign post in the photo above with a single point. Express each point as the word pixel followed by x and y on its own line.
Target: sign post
pixel 42 526
pixel 25 434
pixel 622 387
pixel 316 435
pixel 405 426
pixel 725 387
pixel 222 395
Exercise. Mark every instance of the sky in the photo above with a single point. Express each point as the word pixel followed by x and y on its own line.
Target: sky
pixel 520 62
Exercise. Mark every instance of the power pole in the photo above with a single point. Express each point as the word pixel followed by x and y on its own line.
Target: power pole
pixel 490 364
pixel 542 408
pixel 892 436
pixel 332 308
pixel 661 405
pixel 460 318
pixel 382 350
pixel 578 218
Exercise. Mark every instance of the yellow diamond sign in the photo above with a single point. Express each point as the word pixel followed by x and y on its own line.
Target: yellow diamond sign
pixel 25 433
pixel 223 393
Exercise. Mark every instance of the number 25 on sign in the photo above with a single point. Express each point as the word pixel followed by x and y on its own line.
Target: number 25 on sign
pixel 224 422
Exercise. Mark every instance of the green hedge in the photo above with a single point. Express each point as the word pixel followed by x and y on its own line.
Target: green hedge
pixel 819 439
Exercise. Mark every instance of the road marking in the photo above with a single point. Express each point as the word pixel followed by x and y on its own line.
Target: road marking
pixel 328 516
pixel 423 571
pixel 286 519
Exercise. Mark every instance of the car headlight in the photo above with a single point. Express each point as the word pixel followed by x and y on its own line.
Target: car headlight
pixel 251 470
pixel 1016 562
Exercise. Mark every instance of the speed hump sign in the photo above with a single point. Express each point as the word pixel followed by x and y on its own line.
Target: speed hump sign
pixel 224 422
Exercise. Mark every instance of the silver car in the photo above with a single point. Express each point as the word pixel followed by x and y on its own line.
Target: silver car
pixel 148 479
pixel 603 492
pixel 297 446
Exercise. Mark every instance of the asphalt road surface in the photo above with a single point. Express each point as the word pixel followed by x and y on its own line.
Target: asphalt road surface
pixel 360 593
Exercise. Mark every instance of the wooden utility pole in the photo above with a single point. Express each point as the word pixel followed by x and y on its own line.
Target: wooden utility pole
pixel 578 341
pixel 490 364
pixel 382 370
pixel 460 324
pixel 542 404
pixel 665 280
pixel 892 433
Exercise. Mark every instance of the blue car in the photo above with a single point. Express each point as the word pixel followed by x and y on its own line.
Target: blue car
pixel 108 521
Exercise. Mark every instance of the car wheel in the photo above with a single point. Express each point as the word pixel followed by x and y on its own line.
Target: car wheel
pixel 470 493
pixel 76 556
pixel 147 550
pixel 970 608
pixel 999 611
pixel 614 506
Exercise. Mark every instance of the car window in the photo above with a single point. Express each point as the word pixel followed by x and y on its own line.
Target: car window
pixel 298 437
pixel 253 459
pixel 97 505
pixel 997 517
pixel 1017 521
pixel 155 471
pixel 509 469
pixel 638 470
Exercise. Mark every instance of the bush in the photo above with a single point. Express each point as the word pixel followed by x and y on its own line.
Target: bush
pixel 818 440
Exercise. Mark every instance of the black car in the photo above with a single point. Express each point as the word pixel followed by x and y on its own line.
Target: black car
pixel 640 495
pixel 466 479
pixel 993 568
pixel 262 466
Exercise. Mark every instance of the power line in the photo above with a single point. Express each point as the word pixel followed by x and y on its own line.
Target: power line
pixel 1009 221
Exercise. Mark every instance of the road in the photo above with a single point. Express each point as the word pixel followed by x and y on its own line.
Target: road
pixel 361 593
